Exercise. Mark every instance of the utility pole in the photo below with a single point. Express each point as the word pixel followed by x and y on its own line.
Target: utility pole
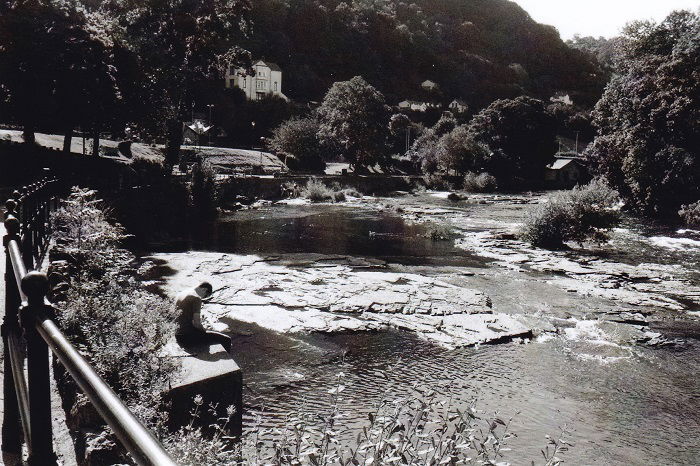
pixel 577 143
pixel 211 125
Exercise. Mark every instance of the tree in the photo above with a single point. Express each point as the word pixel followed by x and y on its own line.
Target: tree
pixel 521 136
pixel 399 128
pixel 648 119
pixel 298 138
pixel 55 65
pixel 353 118
pixel 459 152
pixel 180 43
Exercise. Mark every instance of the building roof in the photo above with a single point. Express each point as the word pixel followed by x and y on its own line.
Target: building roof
pixel 561 163
pixel 269 64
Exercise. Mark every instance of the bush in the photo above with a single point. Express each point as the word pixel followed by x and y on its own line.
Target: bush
pixel 481 183
pixel 316 191
pixel 690 214
pixel 584 213
pixel 437 182
pixel 117 325
pixel 297 141
pixel 440 233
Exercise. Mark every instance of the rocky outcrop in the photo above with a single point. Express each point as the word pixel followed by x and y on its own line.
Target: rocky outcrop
pixel 319 293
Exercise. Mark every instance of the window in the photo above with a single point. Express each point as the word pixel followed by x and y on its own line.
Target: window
pixel 275 87
pixel 243 82
pixel 231 70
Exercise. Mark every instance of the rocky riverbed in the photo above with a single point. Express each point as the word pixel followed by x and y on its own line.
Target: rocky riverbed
pixel 513 292
pixel 603 339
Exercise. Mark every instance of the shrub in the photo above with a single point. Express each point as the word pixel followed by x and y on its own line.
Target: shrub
pixel 117 325
pixel 316 191
pixel 481 183
pixel 297 141
pixel 437 182
pixel 440 233
pixel 690 214
pixel 584 213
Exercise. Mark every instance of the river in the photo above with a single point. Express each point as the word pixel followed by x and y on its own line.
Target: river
pixel 617 365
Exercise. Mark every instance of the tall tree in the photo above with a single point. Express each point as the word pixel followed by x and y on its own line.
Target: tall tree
pixel 354 119
pixel 180 43
pixel 648 119
pixel 521 135
pixel 55 64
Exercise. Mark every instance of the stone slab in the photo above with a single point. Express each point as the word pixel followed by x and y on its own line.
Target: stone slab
pixel 208 371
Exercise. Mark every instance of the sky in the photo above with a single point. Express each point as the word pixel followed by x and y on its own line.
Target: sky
pixel 599 17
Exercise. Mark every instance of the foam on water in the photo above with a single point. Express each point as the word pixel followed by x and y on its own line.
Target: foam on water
pixel 677 244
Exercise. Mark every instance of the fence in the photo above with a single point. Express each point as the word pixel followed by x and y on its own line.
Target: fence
pixel 28 328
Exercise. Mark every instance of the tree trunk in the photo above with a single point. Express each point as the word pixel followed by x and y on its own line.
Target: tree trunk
pixel 172 149
pixel 28 134
pixel 96 141
pixel 68 139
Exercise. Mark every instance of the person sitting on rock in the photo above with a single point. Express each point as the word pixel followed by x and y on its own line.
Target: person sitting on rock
pixel 189 324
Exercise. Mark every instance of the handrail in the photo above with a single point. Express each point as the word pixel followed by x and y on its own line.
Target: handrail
pixel 138 441
pixel 32 400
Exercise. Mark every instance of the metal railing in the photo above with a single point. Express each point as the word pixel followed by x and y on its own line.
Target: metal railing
pixel 28 328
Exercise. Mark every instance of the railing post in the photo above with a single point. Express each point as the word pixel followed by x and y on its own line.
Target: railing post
pixel 35 285
pixel 11 427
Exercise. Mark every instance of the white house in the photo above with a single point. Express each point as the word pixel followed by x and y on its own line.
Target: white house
pixel 458 106
pixel 429 85
pixel 266 80
pixel 416 106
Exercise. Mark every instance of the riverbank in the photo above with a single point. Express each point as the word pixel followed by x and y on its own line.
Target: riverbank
pixel 614 329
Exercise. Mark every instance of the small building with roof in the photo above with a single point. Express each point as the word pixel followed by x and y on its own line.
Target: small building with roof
pixel 566 172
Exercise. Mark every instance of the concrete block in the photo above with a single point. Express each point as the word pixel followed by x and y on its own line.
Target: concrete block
pixel 209 371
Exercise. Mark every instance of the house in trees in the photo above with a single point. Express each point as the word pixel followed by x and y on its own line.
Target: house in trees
pixel 458 106
pixel 265 80
pixel 429 85
pixel 566 172
pixel 416 106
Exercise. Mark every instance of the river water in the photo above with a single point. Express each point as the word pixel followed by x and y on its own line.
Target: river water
pixel 623 403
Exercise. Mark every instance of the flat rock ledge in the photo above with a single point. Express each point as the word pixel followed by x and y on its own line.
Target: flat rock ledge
pixel 319 293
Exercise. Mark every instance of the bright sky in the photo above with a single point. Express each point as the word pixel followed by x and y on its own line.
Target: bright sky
pixel 600 17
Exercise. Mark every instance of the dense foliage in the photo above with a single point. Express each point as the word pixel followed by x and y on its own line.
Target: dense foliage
pixel 354 120
pixel 586 213
pixel 297 140
pixel 649 117
pixel 56 67
pixel 476 50
pixel 520 133
pixel 118 325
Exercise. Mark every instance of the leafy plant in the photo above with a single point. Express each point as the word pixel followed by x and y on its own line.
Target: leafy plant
pixel 584 213
pixel 481 183
pixel 691 214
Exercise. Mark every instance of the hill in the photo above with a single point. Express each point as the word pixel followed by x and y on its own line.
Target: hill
pixel 476 50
